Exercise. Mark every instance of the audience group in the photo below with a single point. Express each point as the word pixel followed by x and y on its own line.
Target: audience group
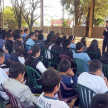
pixel 20 48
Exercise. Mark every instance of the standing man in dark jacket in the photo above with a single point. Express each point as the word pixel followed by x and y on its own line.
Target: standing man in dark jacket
pixel 105 36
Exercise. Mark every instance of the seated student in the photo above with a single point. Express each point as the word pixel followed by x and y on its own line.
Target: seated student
pixel 21 32
pixel 17 37
pixel 25 33
pixel 37 32
pixel 17 54
pixel 94 48
pixel 57 46
pixel 9 43
pixel 16 86
pixel 64 37
pixel 81 55
pixel 58 35
pixel 39 42
pixel 2 46
pixel 10 31
pixel 30 40
pixel 50 85
pixel 65 50
pixel 104 58
pixel 68 77
pixel 83 40
pixel 33 61
pixel 93 79
pixel 41 32
pixel 72 45
pixel 3 75
pixel 99 101
pixel 49 38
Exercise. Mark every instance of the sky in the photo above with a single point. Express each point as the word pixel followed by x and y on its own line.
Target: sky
pixel 53 12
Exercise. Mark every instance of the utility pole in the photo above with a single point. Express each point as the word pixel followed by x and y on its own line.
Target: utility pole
pixel 41 14
pixel 91 17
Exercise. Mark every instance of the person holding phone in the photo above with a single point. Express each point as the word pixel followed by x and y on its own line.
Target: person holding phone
pixel 105 38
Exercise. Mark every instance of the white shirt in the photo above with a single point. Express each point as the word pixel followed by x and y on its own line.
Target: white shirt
pixel 41 67
pixel 48 102
pixel 94 82
pixel 3 77
pixel 21 60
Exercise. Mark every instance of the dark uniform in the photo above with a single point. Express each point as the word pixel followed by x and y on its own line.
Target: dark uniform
pixel 105 41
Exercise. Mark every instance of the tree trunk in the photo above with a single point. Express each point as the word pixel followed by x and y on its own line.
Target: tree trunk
pixel 76 9
pixel 87 24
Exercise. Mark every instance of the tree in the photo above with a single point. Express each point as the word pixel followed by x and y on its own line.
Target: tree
pixel 10 20
pixel 29 11
pixel 18 7
pixel 80 9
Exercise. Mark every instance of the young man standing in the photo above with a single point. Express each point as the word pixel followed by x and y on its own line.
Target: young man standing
pixel 51 84
pixel 93 79
pixel 105 38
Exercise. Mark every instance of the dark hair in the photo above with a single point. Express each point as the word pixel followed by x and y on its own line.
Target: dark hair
pixel 71 38
pixel 83 41
pixel 57 34
pixel 36 31
pixel 64 65
pixel 31 34
pixel 53 40
pixel 95 65
pixel 41 31
pixel 40 37
pixel 17 36
pixel 99 101
pixel 9 36
pixel 64 37
pixel 21 31
pixel 52 32
pixel 49 37
pixel 65 43
pixel 93 46
pixel 16 69
pixel 50 79
pixel 79 45
pixel 18 48
pixel 106 20
pixel 25 30
pixel 59 40
pixel 1 52
pixel 10 30
pixel 34 49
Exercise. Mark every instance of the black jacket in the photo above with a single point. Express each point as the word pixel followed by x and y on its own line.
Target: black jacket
pixel 9 46
pixel 56 47
pixel 66 51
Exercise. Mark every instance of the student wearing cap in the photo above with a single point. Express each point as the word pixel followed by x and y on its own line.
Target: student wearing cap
pixel 105 38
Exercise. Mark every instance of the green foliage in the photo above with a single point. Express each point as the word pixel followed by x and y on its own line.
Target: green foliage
pixel 10 20
pixel 65 23
pixel 79 8
pixel 98 21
